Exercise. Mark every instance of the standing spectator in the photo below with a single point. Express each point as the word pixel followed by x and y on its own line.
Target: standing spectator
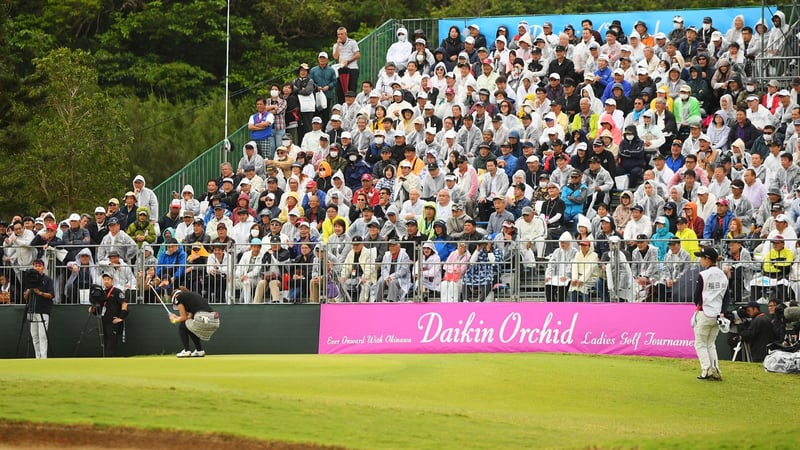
pixel 146 197
pixel 324 81
pixel 346 51
pixel 260 126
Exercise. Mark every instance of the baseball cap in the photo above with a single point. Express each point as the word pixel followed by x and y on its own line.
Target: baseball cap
pixel 782 218
pixel 322 55
pixel 723 202
pixel 99 210
pixel 638 208
pixel 527 210
pixel 708 252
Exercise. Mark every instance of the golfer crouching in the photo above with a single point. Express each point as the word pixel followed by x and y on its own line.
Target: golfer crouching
pixel 197 321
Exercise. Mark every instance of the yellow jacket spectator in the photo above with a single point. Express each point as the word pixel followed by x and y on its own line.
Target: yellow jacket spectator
pixel 778 261
pixel 688 237
pixel 142 230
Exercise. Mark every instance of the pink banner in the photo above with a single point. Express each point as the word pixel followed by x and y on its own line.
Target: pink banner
pixel 644 329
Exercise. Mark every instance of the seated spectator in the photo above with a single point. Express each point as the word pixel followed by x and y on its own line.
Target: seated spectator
pixel 395 279
pixel 583 272
pixel 482 273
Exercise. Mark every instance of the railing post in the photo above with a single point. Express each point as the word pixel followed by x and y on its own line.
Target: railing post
pixel 230 291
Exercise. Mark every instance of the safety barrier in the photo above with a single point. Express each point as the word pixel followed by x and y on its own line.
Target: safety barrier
pixel 500 271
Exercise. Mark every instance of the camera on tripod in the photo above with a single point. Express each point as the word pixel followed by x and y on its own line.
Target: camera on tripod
pixel 32 279
pixel 96 299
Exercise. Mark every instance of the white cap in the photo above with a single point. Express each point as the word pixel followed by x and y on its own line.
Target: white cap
pixel 294 212
pixel 611 101
pixel 74 217
pixel 322 55
pixel 405 163
pixel 550 116
pixel 346 135
pixel 702 190
pixel 400 133
pixel 641 71
pixel 397 92
pixel 316 120
pixel 581 146
pixel 625 48
pixel 603 58
pixel 704 137
pixel 336 117
pixel 555 76
pixel 469 40
pixel 430 130
pixel 532 159
pixel 619 71
pixel 450 134
pixel 99 210
pixel 782 218
pixel 374 94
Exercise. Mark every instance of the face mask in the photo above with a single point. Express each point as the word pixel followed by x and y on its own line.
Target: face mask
pixel 684 97
pixel 661 69
pixel 286 143
pixel 676 25
pixel 517 70
pixel 750 88
pixel 334 154
pixel 379 141
pixel 352 158
pixel 628 136
pixel 706 26
pixel 254 233
pixel 542 185
pixel 767 138
pixel 273 93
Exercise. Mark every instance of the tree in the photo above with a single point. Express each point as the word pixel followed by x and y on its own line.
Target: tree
pixel 77 140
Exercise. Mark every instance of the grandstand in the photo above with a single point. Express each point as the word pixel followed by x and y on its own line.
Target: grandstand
pixel 667 109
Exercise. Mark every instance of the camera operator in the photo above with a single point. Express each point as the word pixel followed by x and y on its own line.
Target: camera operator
pixel 113 309
pixel 39 293
pixel 758 333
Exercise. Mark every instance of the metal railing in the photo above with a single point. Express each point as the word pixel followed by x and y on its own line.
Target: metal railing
pixel 517 271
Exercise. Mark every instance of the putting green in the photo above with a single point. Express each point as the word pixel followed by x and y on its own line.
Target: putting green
pixel 415 401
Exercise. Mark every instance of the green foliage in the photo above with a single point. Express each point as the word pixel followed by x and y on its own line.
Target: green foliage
pixel 76 138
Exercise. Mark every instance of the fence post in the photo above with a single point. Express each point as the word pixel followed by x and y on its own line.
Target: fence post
pixel 230 291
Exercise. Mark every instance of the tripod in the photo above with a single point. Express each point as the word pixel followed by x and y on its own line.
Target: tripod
pixel 97 315
pixel 30 317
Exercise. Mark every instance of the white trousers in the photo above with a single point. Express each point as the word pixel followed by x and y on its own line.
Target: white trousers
pixel 40 323
pixel 705 337
pixel 451 291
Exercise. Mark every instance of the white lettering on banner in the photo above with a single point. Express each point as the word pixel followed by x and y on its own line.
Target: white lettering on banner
pixel 543 335
pixel 347 340
pixel 631 339
pixel 652 340
pixel 603 339
pixel 432 323
pixel 392 339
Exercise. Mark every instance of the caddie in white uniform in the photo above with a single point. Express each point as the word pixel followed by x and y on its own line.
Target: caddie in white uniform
pixel 711 298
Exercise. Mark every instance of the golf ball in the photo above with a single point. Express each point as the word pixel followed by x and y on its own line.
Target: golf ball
pixel 173 321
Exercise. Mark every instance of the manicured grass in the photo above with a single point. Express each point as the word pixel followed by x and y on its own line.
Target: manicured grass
pixel 416 401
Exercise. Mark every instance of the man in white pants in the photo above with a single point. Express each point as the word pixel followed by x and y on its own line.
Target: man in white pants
pixel 40 301
pixel 711 298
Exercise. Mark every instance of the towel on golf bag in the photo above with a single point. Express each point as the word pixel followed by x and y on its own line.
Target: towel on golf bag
pixel 782 362
pixel 203 324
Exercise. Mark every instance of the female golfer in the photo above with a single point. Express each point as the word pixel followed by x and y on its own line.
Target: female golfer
pixel 197 320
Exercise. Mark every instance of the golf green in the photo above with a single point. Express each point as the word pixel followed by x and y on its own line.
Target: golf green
pixel 415 401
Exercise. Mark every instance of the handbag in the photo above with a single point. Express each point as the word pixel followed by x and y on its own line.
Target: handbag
pixel 321 100
pixel 307 103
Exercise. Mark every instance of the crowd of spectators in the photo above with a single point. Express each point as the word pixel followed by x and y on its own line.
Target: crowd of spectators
pixel 574 152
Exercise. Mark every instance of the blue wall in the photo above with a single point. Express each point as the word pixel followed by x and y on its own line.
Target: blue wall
pixel 656 20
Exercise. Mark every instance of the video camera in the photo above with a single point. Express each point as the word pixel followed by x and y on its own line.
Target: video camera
pixel 32 279
pixel 96 298
pixel 739 319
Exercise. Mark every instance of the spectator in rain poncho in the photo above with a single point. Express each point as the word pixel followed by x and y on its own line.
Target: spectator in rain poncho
pixel 619 277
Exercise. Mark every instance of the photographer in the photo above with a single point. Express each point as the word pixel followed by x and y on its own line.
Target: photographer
pixel 113 309
pixel 39 293
pixel 758 332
